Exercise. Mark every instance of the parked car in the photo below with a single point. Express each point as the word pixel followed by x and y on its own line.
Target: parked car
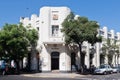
pixel 116 69
pixel 103 69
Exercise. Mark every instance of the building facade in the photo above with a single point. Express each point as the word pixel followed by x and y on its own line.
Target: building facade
pixel 53 53
pixel 115 41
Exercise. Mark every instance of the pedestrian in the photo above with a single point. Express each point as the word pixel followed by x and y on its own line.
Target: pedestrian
pixel 92 69
pixel 3 68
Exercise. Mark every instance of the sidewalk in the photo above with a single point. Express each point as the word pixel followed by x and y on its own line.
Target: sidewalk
pixel 54 75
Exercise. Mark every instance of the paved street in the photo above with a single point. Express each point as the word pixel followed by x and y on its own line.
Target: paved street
pixel 17 77
pixel 61 76
pixel 100 77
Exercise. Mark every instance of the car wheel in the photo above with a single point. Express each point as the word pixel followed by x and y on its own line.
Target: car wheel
pixel 111 72
pixel 105 73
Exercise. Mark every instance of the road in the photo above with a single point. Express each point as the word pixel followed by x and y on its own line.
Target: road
pixel 87 77
pixel 17 77
pixel 115 76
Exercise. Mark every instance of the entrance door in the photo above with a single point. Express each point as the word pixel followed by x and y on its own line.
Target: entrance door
pixel 54 60
pixel 73 62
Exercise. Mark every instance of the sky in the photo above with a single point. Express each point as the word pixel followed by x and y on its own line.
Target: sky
pixel 105 12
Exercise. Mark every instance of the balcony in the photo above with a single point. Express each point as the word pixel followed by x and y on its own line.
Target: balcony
pixel 54 41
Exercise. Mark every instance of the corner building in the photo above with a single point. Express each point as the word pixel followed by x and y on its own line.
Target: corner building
pixel 53 53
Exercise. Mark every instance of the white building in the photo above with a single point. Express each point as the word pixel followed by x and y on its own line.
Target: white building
pixel 106 34
pixel 54 54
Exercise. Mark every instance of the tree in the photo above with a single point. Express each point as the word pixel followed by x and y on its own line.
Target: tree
pixel 115 51
pixel 109 49
pixel 105 50
pixel 79 30
pixel 14 40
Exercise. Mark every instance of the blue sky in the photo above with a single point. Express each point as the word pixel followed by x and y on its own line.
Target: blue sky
pixel 105 12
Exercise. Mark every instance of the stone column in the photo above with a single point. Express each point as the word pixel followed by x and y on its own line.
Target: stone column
pixel 87 56
pixel 116 60
pixel 96 58
pixel 113 60
pixel 68 62
pixel 106 58
pixel 78 60
pixel 119 60
pixel 63 60
pixel 97 54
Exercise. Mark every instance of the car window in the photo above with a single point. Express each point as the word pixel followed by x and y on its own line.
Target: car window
pixel 102 66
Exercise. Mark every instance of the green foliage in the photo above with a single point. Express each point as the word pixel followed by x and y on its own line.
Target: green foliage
pixel 80 29
pixel 110 48
pixel 32 36
pixel 14 40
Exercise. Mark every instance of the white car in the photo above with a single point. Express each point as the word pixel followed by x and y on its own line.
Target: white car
pixel 103 69
pixel 116 69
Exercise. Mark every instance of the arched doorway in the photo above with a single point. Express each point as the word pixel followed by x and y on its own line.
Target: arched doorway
pixel 55 61
pixel 73 60
pixel 102 58
pixel 74 67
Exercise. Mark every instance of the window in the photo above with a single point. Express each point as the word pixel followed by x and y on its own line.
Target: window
pixel 55 29
pixel 101 32
pixel 116 37
pixel 55 17
pixel 109 35
pixel 38 28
